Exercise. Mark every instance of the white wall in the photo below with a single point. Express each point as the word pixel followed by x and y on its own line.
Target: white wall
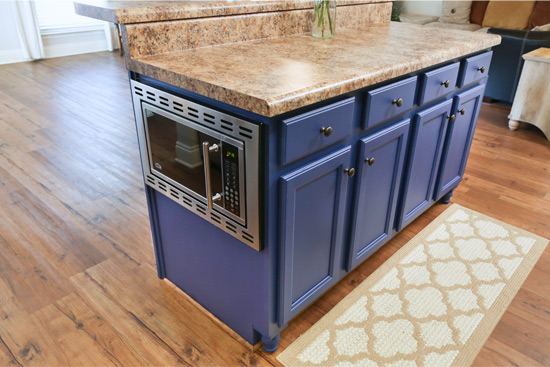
pixel 10 49
pixel 423 7
pixel 55 45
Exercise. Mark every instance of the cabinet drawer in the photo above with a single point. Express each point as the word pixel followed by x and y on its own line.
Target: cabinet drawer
pixel 438 83
pixel 475 68
pixel 390 101
pixel 314 130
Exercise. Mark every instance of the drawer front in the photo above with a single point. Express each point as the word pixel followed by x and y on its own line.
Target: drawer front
pixel 438 83
pixel 475 68
pixel 389 101
pixel 312 131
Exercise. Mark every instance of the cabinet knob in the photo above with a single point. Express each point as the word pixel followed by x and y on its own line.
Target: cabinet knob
pixel 451 118
pixel 350 172
pixel 446 83
pixel 462 111
pixel 482 69
pixel 326 131
pixel 397 102
pixel 217 197
pixel 370 161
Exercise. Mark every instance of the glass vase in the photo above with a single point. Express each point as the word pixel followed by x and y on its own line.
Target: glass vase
pixel 324 19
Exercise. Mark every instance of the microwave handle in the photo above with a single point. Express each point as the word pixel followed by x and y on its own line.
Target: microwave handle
pixel 206 149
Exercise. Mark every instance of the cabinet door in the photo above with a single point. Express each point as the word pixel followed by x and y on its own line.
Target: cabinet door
pixel 313 201
pixel 379 172
pixel 427 138
pixel 459 140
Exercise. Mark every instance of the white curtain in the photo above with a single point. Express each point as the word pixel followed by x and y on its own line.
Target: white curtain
pixel 27 26
pixel 111 34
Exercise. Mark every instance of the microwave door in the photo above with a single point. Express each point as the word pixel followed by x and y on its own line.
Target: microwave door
pixel 176 154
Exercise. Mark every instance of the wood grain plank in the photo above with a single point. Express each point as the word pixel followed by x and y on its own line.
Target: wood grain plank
pixel 21 340
pixel 73 211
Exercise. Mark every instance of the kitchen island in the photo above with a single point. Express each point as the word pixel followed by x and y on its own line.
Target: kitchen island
pixel 275 163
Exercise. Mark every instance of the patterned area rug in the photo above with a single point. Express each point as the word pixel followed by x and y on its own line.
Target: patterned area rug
pixel 433 303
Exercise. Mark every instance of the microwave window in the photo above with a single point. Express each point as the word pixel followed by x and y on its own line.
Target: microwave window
pixel 176 153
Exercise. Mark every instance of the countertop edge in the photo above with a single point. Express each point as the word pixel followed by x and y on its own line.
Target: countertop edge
pixel 297 99
pixel 155 13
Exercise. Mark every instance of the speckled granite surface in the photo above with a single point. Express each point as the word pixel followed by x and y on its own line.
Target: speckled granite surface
pixel 145 39
pixel 273 76
pixel 135 11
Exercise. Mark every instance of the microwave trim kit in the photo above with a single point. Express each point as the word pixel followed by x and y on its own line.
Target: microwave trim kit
pixel 230 131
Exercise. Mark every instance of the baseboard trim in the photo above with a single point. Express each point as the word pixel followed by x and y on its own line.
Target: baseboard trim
pixel 74 43
pixel 75 48
pixel 11 56
pixel 62 44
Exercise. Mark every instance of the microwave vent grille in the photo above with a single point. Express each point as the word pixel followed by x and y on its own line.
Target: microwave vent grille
pixel 195 112
pixel 191 203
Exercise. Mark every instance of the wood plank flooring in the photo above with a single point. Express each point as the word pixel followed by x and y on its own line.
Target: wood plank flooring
pixel 78 284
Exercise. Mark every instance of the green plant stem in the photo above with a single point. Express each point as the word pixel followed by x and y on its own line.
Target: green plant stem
pixel 322 11
pixel 329 18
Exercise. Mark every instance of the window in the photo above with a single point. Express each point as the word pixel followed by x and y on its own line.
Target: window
pixel 59 17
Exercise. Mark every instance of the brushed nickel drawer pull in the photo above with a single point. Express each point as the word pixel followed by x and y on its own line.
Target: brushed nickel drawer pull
pixel 397 102
pixel 326 131
pixel 350 172
pixel 446 83
pixel 370 161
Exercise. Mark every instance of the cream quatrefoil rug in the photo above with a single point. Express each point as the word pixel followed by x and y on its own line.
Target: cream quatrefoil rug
pixel 433 303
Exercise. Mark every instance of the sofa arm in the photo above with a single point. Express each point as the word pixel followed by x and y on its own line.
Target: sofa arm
pixel 508 32
pixel 523 35
pixel 507 61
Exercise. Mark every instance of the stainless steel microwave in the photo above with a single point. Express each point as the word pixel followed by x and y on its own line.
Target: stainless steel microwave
pixel 204 159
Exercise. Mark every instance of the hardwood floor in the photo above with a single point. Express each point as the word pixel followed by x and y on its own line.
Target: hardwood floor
pixel 78 284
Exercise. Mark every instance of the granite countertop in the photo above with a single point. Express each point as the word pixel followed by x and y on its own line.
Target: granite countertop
pixel 276 75
pixel 137 11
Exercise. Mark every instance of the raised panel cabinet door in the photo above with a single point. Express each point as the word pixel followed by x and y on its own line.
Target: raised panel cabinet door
pixel 313 201
pixel 459 139
pixel 379 170
pixel 427 138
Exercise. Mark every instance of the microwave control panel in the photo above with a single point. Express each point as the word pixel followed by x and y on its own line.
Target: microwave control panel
pixel 230 157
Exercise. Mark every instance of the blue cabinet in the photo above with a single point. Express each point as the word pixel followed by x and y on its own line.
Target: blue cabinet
pixel 379 169
pixel 312 131
pixel 317 222
pixel 438 83
pixel 427 140
pixel 475 68
pixel 389 102
pixel 459 140
pixel 313 201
